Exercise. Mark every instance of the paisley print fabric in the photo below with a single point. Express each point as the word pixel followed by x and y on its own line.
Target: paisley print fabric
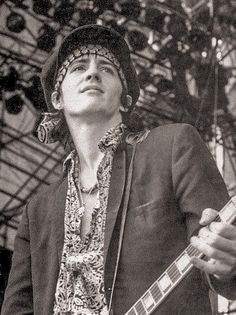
pixel 80 286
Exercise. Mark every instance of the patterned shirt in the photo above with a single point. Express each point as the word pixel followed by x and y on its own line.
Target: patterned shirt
pixel 80 286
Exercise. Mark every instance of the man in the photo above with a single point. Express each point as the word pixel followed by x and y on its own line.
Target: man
pixel 127 203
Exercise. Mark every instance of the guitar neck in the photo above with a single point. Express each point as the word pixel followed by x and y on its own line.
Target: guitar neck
pixel 176 272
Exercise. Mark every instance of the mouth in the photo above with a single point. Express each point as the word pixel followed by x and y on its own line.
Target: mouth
pixel 92 88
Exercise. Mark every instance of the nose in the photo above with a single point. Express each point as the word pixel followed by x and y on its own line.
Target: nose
pixel 92 76
pixel 93 73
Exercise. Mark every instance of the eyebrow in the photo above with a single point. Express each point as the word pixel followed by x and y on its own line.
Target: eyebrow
pixel 85 59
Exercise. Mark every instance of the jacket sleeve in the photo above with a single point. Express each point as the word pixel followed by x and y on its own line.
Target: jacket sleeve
pixel 19 296
pixel 196 180
pixel 198 185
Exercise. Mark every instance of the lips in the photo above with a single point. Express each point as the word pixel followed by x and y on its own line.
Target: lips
pixel 91 88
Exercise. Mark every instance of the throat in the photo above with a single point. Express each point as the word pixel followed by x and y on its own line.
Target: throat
pixel 88 173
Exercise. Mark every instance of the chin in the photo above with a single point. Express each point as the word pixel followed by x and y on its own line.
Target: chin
pixel 100 110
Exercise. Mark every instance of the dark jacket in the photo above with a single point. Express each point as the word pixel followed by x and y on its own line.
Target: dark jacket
pixel 174 178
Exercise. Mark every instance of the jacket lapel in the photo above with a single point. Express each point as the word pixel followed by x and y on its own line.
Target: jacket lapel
pixel 59 206
pixel 116 191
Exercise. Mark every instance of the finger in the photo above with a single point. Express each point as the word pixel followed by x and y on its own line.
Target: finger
pixel 217 241
pixel 211 252
pixel 208 215
pixel 225 230
pixel 220 270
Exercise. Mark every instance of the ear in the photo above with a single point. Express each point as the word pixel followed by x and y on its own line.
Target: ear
pixel 56 101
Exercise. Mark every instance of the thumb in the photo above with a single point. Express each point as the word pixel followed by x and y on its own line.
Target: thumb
pixel 208 215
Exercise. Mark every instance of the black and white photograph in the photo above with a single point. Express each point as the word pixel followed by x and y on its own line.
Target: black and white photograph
pixel 117 157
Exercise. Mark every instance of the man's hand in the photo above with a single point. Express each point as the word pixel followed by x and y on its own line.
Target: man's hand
pixel 218 242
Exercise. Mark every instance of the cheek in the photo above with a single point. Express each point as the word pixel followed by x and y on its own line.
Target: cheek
pixel 64 90
pixel 66 86
pixel 116 91
pixel 69 91
pixel 118 96
pixel 70 82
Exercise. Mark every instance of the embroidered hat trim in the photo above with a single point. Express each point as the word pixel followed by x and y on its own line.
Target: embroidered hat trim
pixel 86 50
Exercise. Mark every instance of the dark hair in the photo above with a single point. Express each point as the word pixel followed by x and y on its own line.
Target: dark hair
pixel 130 118
pixel 61 133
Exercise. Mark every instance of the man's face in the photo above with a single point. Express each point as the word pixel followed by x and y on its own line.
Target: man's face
pixel 91 87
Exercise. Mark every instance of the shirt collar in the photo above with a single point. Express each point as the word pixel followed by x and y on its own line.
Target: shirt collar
pixel 109 142
pixel 112 138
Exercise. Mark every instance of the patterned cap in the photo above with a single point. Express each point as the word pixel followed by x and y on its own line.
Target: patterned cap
pixel 99 36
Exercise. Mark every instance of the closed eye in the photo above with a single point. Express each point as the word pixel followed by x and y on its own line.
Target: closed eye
pixel 107 69
pixel 80 67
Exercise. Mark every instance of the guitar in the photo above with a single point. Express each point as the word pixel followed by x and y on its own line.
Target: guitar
pixel 176 272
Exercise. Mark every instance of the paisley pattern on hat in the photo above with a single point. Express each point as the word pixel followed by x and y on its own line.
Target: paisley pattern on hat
pixel 45 129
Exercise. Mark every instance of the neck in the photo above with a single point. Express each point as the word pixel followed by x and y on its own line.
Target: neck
pixel 86 136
